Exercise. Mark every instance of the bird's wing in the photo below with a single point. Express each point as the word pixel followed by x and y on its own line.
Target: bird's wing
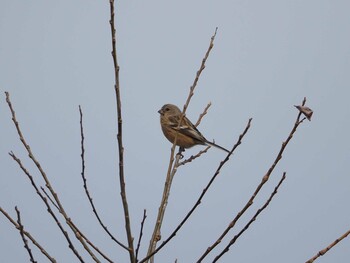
pixel 186 128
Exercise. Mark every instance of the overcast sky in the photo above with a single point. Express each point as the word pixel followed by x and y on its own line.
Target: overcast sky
pixel 268 56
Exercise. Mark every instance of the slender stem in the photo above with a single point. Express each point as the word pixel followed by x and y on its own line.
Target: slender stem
pixel 120 138
pixel 217 172
pixel 86 186
pixel 329 247
pixel 156 236
pixel 47 184
pixel 265 178
pixel 28 235
pixel 21 231
pixel 234 239
pixel 141 233
pixel 49 210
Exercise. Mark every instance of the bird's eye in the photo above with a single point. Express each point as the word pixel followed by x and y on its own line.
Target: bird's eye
pixel 167 109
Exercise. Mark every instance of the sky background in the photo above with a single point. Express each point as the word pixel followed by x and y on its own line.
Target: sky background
pixel 268 56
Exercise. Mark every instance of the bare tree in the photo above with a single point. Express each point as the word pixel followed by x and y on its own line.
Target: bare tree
pixel 71 231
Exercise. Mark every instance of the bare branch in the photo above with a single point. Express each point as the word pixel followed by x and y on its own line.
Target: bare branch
pixel 141 233
pixel 28 235
pixel 49 197
pixel 69 222
pixel 156 236
pixel 232 241
pixel 120 138
pixel 86 187
pixel 21 231
pixel 161 210
pixel 49 210
pixel 329 247
pixel 78 232
pixel 193 157
pixel 198 202
pixel 203 114
pixel 48 184
pixel 199 72
pixel 257 190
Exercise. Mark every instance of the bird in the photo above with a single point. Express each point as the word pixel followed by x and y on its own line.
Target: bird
pixel 187 134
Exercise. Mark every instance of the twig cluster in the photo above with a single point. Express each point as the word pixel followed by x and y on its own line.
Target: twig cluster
pixel 57 212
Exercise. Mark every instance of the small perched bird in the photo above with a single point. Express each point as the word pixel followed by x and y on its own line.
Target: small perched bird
pixel 187 133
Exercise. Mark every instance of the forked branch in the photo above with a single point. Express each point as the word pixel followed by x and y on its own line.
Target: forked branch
pixel 264 179
pixel 172 167
pixel 82 155
pixel 199 200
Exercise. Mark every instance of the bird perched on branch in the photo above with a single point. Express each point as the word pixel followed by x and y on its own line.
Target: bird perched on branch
pixel 187 134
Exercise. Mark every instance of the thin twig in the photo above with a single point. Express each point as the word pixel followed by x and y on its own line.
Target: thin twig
pixel 78 230
pixel 141 233
pixel 69 222
pixel 156 236
pixel 82 155
pixel 21 231
pixel 234 239
pixel 203 114
pixel 199 72
pixel 28 235
pixel 198 202
pixel 257 190
pixel 49 197
pixel 329 247
pixel 49 210
pixel 47 182
pixel 193 157
pixel 120 138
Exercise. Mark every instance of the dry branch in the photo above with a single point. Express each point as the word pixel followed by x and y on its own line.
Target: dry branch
pixel 156 236
pixel 257 190
pixel 48 185
pixel 234 239
pixel 120 138
pixel 141 232
pixel 205 111
pixel 49 210
pixel 82 155
pixel 199 200
pixel 21 231
pixel 329 247
pixel 28 235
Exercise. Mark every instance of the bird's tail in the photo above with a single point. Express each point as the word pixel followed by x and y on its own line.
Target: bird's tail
pixel 217 146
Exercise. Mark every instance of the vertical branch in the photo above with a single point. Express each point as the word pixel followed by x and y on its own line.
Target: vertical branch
pixel 156 236
pixel 141 232
pixel 120 137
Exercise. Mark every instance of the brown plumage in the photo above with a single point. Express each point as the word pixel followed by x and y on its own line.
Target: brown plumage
pixel 187 134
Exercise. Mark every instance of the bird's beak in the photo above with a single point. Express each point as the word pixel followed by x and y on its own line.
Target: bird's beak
pixel 160 112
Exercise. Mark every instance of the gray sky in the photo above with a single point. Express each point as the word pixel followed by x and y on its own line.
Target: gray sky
pixel 268 55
